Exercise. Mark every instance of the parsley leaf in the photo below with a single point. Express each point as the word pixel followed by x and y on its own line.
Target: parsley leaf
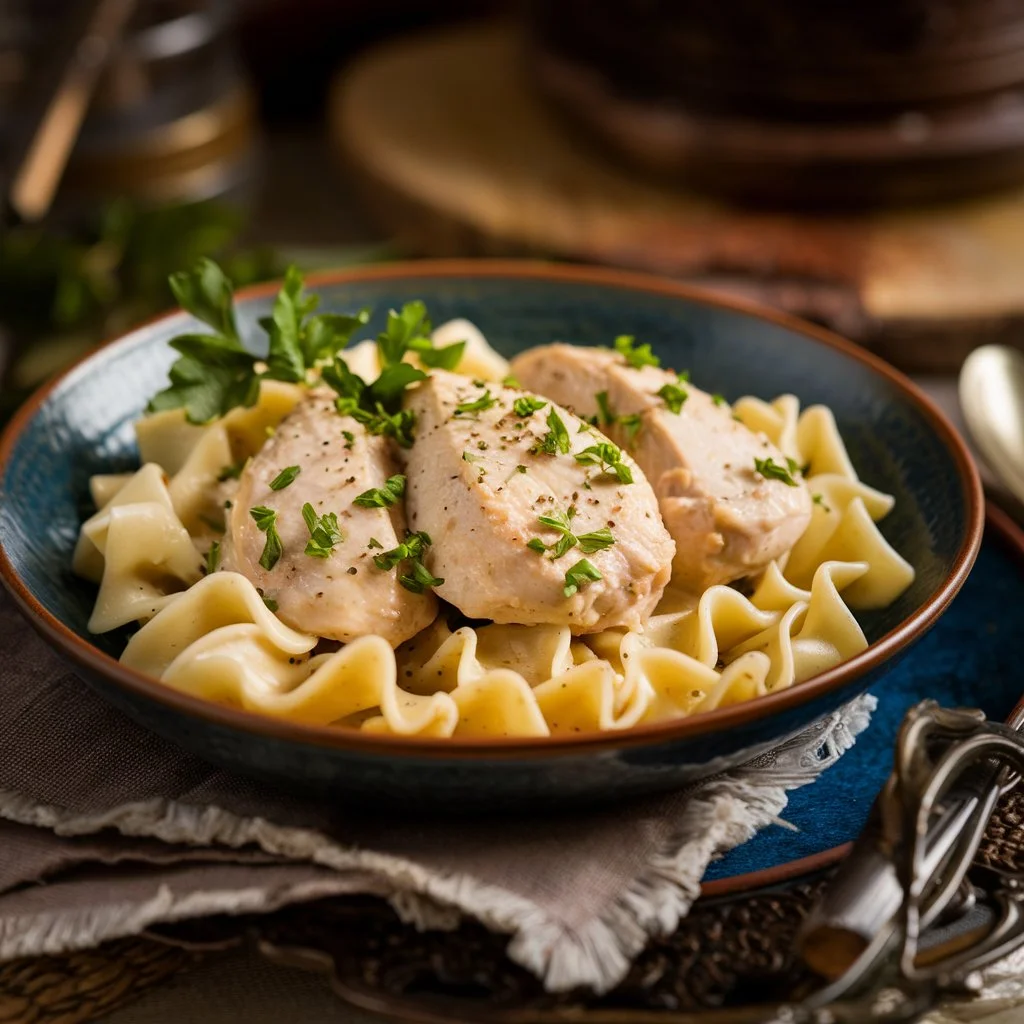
pixel 596 540
pixel 393 381
pixel 607 416
pixel 324 532
pixel 631 424
pixel 576 578
pixel 232 472
pixel 213 557
pixel 382 497
pixel 673 396
pixel 420 578
pixel 215 372
pixel 527 406
pixel 284 478
pixel 771 470
pixel 213 375
pixel 405 329
pixel 635 355
pixel 412 549
pixel 719 399
pixel 511 382
pixel 485 401
pixel 266 522
pixel 446 358
pixel 208 295
pixel 609 457
pixel 268 601
pixel 556 439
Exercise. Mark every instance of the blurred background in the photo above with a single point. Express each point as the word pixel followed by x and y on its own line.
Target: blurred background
pixel 860 164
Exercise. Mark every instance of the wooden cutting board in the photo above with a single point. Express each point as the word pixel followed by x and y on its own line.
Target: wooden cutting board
pixel 455 154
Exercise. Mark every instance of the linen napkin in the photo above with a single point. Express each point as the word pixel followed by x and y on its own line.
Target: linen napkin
pixel 106 829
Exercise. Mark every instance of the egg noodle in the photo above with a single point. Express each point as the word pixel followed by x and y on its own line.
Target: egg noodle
pixel 213 636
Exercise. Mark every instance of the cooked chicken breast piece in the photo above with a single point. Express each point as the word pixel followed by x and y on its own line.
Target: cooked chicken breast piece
pixel 477 485
pixel 727 520
pixel 344 595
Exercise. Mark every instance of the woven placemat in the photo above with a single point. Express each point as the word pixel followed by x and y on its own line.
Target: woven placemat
pixel 727 951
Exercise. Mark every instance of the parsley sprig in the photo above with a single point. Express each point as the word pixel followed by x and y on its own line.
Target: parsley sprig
pixel 215 372
pixel 324 532
pixel 382 497
pixel 609 457
pixel 266 522
pixel 411 550
pixel 635 355
pixel 771 470
pixel 581 574
pixel 555 440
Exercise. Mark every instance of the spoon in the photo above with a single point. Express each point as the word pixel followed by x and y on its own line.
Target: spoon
pixel 992 398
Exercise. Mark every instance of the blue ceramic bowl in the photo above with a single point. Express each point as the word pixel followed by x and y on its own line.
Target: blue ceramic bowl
pixel 82 424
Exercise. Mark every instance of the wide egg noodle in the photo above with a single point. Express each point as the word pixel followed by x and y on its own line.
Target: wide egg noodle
pixel 215 638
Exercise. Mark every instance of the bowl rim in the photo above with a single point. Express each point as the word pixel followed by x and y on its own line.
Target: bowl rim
pixel 82 653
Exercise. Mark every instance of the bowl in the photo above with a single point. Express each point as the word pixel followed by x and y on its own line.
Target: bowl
pixel 81 424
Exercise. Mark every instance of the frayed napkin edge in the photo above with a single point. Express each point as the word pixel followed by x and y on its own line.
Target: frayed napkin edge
pixel 722 814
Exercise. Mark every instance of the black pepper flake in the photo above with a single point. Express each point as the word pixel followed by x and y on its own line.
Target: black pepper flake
pixel 352 570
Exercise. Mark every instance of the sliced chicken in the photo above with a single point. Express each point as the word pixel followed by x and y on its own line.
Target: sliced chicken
pixel 727 519
pixel 477 486
pixel 344 595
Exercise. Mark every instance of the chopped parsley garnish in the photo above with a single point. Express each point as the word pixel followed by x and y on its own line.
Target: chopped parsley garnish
pixel 324 532
pixel 819 499
pixel 350 439
pixel 411 550
pixel 527 405
pixel 470 457
pixel 635 355
pixel 597 540
pixel 673 397
pixel 607 417
pixel 232 472
pixel 718 399
pixel 419 579
pixel 511 382
pixel 485 401
pixel 374 543
pixel 576 578
pixel 609 457
pixel 284 478
pixel 555 440
pixel 520 469
pixel 771 470
pixel 268 601
pixel 631 424
pixel 266 522
pixel 382 497
pixel 213 557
